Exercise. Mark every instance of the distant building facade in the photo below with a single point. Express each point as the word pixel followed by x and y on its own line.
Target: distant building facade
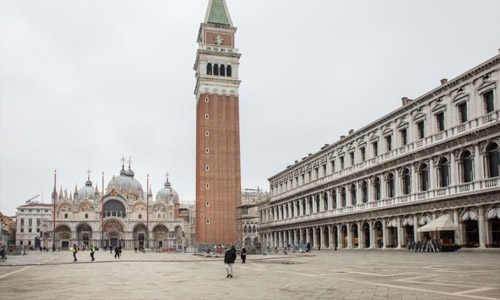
pixel 30 219
pixel 8 230
pixel 250 201
pixel 124 215
pixel 433 162
pixel 218 174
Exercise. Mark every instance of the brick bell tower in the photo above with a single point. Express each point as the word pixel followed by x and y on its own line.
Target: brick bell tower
pixel 218 174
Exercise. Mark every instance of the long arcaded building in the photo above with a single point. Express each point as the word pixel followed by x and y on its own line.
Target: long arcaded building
pixel 433 162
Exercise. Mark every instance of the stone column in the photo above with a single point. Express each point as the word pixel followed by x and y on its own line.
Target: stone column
pixel 373 235
pixel 361 236
pixel 454 170
pixel 416 235
pixel 481 227
pixel 349 236
pixel 478 164
pixel 340 236
pixel 399 232
pixel 331 242
pixel 458 232
pixel 384 233
pixel 432 175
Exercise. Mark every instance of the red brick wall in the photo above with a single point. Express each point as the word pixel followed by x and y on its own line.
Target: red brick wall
pixel 224 175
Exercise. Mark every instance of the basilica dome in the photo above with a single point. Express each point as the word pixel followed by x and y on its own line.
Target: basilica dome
pixel 87 192
pixel 126 185
pixel 167 194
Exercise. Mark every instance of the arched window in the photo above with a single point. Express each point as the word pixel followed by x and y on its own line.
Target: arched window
pixel 424 177
pixel 222 70
pixel 467 167
pixel 377 189
pixel 444 170
pixel 325 200
pixel 209 69
pixel 354 200
pixel 216 69
pixel 493 161
pixel 364 192
pixel 391 191
pixel 343 197
pixel 229 71
pixel 406 181
pixel 317 203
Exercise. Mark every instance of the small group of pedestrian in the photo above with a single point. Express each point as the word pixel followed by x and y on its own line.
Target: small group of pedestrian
pixel 230 258
pixel 75 251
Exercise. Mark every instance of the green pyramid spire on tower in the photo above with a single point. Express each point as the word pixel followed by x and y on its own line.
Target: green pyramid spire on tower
pixel 218 13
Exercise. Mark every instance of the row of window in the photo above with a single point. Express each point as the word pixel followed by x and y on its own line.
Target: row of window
pixel 351 159
pixel 219 70
pixel 29 230
pixel 465 166
pixel 38 210
pixel 30 222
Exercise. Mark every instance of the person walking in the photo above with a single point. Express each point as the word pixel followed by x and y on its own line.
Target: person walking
pixel 92 252
pixel 229 259
pixel 243 255
pixel 74 252
pixel 117 251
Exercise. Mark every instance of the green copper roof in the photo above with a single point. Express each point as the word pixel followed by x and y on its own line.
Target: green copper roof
pixel 218 13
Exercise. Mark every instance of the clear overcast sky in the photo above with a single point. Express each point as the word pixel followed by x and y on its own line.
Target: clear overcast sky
pixel 84 82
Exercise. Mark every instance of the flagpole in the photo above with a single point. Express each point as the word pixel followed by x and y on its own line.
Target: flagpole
pixel 147 212
pixel 54 197
pixel 102 210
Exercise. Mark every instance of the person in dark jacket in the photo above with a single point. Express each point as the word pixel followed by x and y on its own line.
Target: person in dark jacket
pixel 243 255
pixel 229 259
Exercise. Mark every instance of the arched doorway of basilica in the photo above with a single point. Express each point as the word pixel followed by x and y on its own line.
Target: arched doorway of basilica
pixel 63 237
pixel 140 236
pixel 113 234
pixel 83 234
pixel 160 237
pixel 366 234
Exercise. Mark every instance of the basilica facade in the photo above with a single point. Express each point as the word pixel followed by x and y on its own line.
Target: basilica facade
pixel 123 215
pixel 428 170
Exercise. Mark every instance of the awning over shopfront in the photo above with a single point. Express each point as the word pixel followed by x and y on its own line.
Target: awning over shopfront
pixel 443 223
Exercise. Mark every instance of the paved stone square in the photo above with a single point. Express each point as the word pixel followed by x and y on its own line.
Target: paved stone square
pixel 354 274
